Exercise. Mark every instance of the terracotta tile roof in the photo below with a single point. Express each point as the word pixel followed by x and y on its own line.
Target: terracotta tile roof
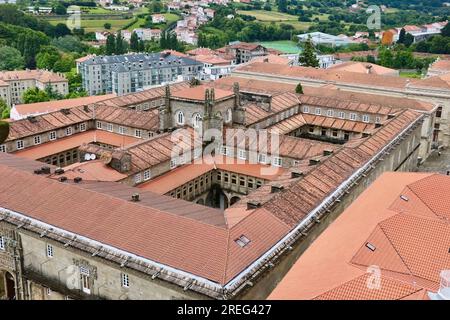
pixel 245 46
pixel 253 85
pixel 299 72
pixel 150 152
pixel 74 141
pixel 40 75
pixel 49 106
pixel 212 59
pixel 201 51
pixel 47 122
pixel 147 120
pixel 272 58
pixel 181 242
pixel 299 120
pixel 288 146
pixel 409 245
pixel 440 65
pixel 441 81
pixel 363 67
pixel 91 171
pixel 198 93
pixel 23 164
pixel 143 96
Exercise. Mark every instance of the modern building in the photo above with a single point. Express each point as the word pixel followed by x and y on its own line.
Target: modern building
pixel 129 73
pixel 320 38
pixel 13 84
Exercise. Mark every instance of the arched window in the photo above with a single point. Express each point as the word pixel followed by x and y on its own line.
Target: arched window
pixel 229 115
pixel 180 117
pixel 196 120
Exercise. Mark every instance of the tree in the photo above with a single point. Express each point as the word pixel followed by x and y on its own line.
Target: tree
pixel 107 26
pixel 10 58
pixel 65 64
pixel 282 5
pixel 409 39
pixel 4 110
pixel 4 131
pixel 33 95
pixel 61 30
pixel 120 46
pixel 134 42
pixel 59 9
pixel 386 58
pixel 401 36
pixel 308 56
pixel 110 45
pixel 47 57
pixel 299 89
pixel 69 44
pixel 446 30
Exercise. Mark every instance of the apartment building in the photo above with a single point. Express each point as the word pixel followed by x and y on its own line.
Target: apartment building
pixel 13 84
pixel 129 73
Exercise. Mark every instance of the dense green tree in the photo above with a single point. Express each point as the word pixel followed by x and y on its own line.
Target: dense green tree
pixel 4 110
pixel 401 36
pixel 120 44
pixel 4 131
pixel 61 30
pixel 409 39
pixel 308 56
pixel 59 9
pixel 110 45
pixel 282 5
pixel 70 44
pixel 386 58
pixel 33 95
pixel 134 42
pixel 446 30
pixel 64 64
pixel 10 58
pixel 47 57
pixel 299 89
pixel 107 26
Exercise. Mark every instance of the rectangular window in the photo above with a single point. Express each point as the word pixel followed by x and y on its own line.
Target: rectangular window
pixel 146 174
pixel 2 148
pixel 318 111
pixel 2 243
pixel 242 155
pixel 377 120
pixel 173 163
pixel 137 133
pixel 49 251
pixel 83 127
pixel 352 116
pixel 85 281
pixel 109 127
pixel 341 115
pixel 68 131
pixel 37 140
pixel 276 161
pixel 330 113
pixel 125 280
pixel 99 125
pixel 365 118
pixel 262 158
pixel 122 130
pixel 224 150
pixel 137 178
pixel 52 135
pixel 19 144
pixel 48 291
pixel 305 109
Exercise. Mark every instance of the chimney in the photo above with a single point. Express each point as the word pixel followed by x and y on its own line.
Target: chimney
pixel 59 171
pixel 62 179
pixel 77 179
pixel 390 116
pixel 253 205
pixel 296 174
pixel 369 68
pixel 313 162
pixel 275 188
pixel 327 152
pixel 45 170
pixel 135 197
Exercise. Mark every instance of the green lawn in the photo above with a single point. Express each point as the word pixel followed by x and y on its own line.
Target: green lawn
pixel 263 15
pixel 90 25
pixel 285 46
pixel 410 74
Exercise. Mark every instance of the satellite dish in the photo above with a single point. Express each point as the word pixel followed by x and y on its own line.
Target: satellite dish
pixel 87 157
pixel 93 156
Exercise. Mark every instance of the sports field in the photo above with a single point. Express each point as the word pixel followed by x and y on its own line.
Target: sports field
pixel 285 46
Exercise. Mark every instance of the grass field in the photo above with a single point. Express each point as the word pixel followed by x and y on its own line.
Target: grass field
pixel 285 46
pixel 279 18
pixel 410 74
pixel 263 15
pixel 98 25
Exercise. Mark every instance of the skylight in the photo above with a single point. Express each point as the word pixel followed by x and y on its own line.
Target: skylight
pixel 242 241
pixel 370 246
pixel 404 198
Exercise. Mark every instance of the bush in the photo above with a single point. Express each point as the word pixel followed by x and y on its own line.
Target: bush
pixel 4 131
